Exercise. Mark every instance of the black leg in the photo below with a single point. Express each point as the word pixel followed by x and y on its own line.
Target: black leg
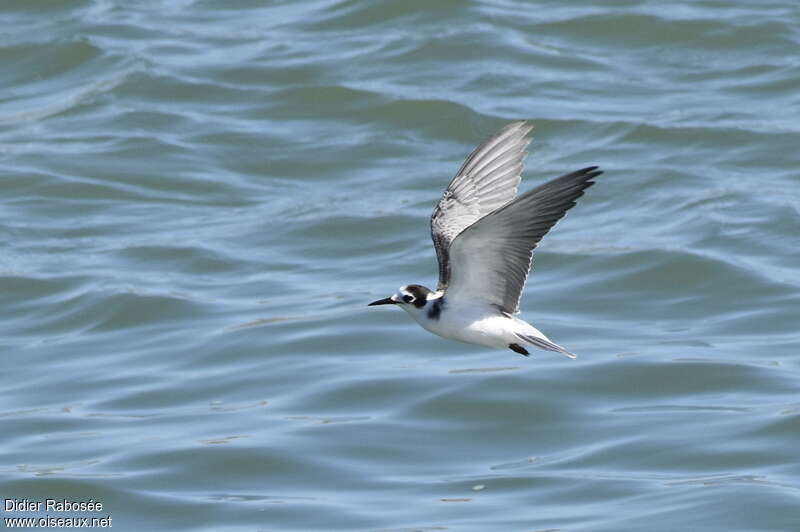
pixel 518 349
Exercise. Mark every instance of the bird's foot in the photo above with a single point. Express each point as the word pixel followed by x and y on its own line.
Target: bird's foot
pixel 518 349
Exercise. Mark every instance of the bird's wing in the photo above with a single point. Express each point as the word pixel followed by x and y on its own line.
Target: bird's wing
pixel 490 260
pixel 487 180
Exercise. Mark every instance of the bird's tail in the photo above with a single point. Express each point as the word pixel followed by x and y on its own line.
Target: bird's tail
pixel 544 343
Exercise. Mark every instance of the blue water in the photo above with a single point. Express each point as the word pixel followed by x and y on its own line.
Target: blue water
pixel 198 199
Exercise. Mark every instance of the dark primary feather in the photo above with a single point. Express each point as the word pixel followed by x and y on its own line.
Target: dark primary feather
pixel 490 259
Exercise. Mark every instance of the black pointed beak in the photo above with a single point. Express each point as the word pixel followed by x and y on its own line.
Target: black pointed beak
pixel 385 301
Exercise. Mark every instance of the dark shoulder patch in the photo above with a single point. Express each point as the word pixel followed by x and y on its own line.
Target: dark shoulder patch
pixel 436 309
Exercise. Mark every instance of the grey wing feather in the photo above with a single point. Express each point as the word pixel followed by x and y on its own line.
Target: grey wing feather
pixel 486 181
pixel 490 260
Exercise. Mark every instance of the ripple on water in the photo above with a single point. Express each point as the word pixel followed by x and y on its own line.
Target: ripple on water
pixel 199 199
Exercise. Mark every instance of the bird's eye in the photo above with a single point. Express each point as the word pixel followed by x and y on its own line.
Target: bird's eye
pixel 408 299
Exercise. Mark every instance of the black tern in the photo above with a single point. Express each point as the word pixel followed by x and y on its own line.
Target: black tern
pixel 484 238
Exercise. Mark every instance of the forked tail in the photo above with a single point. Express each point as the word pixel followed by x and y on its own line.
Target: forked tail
pixel 545 344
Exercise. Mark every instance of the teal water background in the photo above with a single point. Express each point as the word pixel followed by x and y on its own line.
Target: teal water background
pixel 198 198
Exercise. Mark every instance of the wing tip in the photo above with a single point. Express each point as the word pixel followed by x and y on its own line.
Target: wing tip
pixel 522 128
pixel 590 172
pixel 582 178
pixel 521 123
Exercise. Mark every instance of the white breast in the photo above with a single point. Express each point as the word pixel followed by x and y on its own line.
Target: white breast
pixel 473 324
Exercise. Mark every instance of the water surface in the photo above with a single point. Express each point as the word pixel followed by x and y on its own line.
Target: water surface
pixel 199 198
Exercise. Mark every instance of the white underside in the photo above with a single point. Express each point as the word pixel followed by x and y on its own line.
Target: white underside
pixel 477 324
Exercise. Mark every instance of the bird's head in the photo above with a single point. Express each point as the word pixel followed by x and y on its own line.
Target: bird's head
pixel 412 298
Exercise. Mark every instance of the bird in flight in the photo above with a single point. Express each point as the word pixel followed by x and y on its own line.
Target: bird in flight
pixel 484 238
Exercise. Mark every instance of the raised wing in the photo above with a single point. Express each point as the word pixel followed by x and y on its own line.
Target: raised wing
pixel 487 180
pixel 490 260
